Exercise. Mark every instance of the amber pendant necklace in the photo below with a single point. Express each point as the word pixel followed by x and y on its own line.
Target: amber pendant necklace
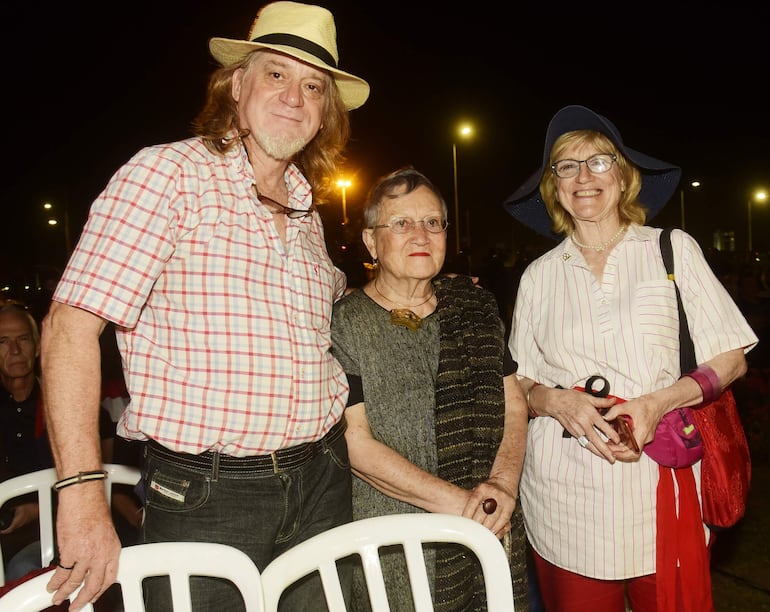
pixel 404 315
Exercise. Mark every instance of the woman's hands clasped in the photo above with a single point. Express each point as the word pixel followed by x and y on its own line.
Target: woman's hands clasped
pixel 580 415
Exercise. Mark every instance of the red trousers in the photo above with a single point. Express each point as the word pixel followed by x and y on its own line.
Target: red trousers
pixel 565 591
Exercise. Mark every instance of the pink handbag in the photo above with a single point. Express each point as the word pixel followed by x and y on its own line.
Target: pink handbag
pixel 677 441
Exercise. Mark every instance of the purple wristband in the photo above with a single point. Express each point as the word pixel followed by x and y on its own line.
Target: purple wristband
pixel 708 381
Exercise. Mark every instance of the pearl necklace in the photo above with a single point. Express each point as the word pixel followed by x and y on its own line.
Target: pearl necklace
pixel 598 247
pixel 404 315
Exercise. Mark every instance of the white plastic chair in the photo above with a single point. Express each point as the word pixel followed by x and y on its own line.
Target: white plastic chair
pixel 366 536
pixel 40 482
pixel 32 596
pixel 178 560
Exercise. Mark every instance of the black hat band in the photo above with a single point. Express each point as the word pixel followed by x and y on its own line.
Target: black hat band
pixel 303 44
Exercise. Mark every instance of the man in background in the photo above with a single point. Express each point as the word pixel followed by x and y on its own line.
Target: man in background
pixel 22 429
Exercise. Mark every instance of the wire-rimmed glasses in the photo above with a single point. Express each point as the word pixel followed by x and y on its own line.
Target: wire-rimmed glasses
pixel 597 164
pixel 278 208
pixel 404 225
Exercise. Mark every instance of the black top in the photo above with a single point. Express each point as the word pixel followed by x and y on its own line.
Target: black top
pixel 23 450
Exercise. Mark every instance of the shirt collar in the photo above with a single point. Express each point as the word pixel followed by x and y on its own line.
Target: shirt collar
pixel 300 191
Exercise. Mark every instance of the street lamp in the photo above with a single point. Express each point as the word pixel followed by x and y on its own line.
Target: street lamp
pixel 463 131
pixel 344 184
pixel 694 184
pixel 53 221
pixel 760 195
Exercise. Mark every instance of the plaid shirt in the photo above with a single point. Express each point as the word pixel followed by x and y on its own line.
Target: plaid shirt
pixel 223 329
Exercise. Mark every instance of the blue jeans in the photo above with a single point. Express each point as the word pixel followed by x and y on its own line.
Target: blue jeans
pixel 263 515
pixel 25 561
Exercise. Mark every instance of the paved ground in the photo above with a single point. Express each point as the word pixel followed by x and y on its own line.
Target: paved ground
pixel 741 560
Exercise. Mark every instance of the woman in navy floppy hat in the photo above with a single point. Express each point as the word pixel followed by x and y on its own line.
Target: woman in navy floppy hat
pixel 610 527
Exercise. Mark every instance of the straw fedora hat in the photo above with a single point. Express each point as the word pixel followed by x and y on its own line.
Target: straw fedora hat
pixel 659 179
pixel 303 31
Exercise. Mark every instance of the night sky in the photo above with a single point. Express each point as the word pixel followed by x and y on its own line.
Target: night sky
pixel 85 88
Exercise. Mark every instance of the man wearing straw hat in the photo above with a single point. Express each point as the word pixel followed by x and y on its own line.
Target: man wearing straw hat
pixel 209 257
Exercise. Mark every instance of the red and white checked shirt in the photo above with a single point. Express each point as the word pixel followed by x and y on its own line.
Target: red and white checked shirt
pixel 226 331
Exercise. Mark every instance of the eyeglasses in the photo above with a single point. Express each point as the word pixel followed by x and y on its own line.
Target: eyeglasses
pixel 278 208
pixel 597 164
pixel 405 225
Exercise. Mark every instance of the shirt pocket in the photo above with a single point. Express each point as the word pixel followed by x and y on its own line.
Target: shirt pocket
pixel 657 317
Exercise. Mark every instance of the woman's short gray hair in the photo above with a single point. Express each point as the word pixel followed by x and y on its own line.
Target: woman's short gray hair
pixel 396 184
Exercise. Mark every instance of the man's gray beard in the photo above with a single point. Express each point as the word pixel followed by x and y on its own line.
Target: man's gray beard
pixel 280 147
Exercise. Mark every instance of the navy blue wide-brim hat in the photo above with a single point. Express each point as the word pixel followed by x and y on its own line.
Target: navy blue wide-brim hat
pixel 659 179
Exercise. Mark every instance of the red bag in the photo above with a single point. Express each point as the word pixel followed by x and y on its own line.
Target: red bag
pixel 726 463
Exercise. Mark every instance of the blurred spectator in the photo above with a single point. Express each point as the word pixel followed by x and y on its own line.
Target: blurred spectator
pixel 24 444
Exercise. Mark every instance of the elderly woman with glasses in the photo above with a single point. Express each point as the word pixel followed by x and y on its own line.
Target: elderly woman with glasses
pixel 436 419
pixel 610 527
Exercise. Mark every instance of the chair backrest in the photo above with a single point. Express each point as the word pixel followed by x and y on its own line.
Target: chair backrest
pixel 32 596
pixel 40 482
pixel 366 536
pixel 178 560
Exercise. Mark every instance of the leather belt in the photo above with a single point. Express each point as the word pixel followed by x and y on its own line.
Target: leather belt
pixel 282 460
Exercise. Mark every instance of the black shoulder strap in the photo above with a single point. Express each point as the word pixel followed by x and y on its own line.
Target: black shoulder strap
pixel 686 346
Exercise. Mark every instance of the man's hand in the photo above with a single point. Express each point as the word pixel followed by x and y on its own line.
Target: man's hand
pixel 88 546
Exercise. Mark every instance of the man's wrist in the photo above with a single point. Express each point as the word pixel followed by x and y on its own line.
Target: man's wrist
pixel 79 478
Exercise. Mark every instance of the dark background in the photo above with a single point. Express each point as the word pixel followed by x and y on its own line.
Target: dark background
pixel 87 85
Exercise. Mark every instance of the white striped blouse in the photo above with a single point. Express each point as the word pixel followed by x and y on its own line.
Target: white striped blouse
pixel 582 513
